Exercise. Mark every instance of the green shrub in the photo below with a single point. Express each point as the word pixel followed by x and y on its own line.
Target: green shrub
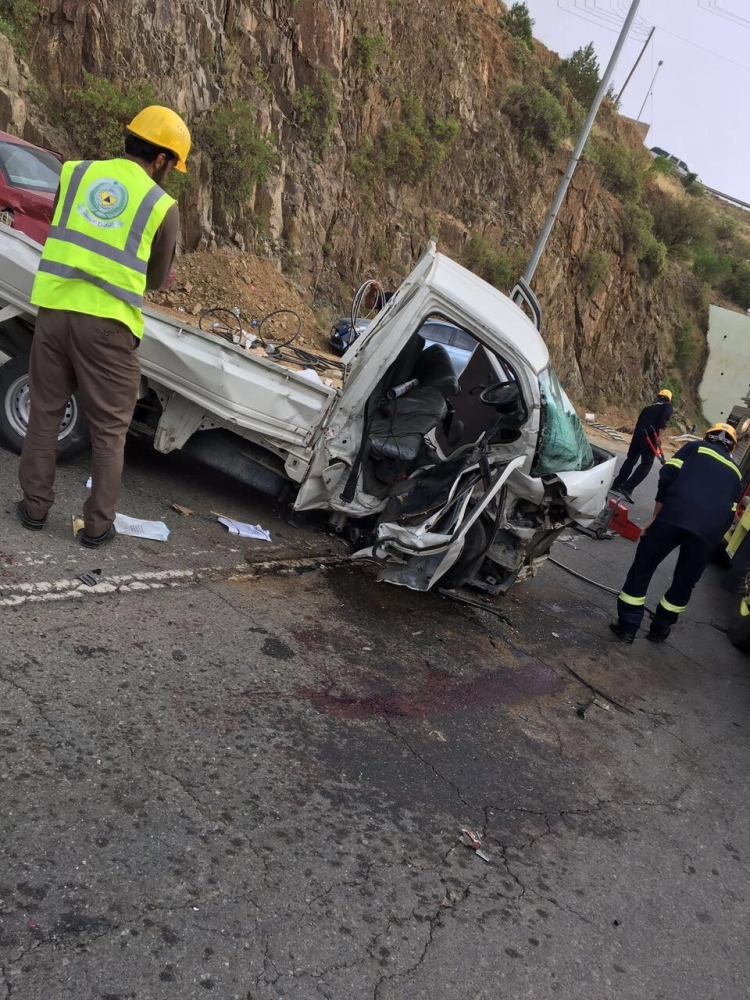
pixel 685 344
pixel 537 115
pixel 366 49
pixel 737 286
pixel 663 166
pixel 622 169
pixel 242 155
pixel 639 238
pixel 581 73
pixel 315 111
pixel 96 114
pixel 595 267
pixel 710 267
pixel 693 186
pixel 494 266
pixel 726 228
pixel 519 23
pixel 411 149
pixel 681 226
pixel 16 20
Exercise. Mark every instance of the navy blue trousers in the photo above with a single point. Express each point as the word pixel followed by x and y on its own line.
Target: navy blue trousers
pixel 653 548
pixel 639 454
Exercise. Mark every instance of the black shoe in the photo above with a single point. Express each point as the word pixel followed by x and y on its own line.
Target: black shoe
pixel 625 495
pixel 656 634
pixel 620 632
pixel 94 543
pixel 26 521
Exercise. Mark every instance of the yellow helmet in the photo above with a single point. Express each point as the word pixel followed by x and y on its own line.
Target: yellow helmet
pixel 164 128
pixel 665 392
pixel 718 429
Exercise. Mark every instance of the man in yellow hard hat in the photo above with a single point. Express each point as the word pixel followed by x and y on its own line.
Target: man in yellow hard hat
pixel 698 491
pixel 651 422
pixel 114 234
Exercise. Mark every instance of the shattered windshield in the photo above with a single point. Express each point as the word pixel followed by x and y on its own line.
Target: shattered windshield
pixel 563 446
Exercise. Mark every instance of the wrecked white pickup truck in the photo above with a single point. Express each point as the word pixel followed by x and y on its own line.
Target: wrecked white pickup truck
pixel 449 454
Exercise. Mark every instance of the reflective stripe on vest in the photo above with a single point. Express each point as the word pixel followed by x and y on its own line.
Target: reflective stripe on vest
pixel 720 458
pixel 677 462
pixel 671 607
pixel 97 252
pixel 638 602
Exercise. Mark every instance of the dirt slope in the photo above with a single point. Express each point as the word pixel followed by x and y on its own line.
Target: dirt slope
pixel 233 279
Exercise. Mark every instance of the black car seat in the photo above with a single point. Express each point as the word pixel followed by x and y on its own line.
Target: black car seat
pixel 399 426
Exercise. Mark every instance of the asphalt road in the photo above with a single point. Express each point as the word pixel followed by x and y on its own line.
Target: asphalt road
pixel 220 780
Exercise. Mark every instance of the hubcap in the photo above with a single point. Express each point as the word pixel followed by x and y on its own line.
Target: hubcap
pixel 18 405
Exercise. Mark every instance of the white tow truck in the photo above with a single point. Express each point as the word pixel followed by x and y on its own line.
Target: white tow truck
pixel 448 467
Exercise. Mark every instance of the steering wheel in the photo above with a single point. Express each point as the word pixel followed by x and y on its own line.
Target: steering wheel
pixel 492 394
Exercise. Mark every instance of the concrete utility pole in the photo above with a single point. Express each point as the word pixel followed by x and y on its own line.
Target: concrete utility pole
pixel 576 154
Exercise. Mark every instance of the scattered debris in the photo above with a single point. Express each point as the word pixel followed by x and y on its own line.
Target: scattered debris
pixel 609 431
pixel 77 524
pixel 589 417
pixel 583 707
pixel 471 839
pixel 185 511
pixel 155 530
pixel 596 691
pixel 90 578
pixel 555 635
pixel 242 529
pixel 88 483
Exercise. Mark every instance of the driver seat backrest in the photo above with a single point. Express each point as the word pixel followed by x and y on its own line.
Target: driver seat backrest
pixel 435 368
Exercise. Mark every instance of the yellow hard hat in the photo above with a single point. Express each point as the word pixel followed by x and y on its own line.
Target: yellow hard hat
pixel 667 393
pixel 722 428
pixel 164 128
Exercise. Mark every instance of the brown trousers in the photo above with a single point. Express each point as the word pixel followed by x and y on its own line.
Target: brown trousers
pixel 98 357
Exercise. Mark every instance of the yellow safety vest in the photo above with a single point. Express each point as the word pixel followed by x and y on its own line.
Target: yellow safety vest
pixel 96 256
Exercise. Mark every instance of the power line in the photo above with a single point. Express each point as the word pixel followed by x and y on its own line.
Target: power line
pixel 600 17
pixel 726 15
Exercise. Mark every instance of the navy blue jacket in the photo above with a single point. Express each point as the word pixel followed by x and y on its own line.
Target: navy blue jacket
pixel 699 489
pixel 654 418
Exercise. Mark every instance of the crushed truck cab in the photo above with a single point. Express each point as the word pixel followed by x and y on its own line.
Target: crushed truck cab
pixel 449 453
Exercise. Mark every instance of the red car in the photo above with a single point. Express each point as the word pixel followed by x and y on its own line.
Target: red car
pixel 29 177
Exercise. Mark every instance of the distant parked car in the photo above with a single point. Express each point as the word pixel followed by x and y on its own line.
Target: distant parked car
pixel 680 167
pixel 29 178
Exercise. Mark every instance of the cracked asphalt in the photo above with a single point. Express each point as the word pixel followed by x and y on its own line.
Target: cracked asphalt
pixel 252 785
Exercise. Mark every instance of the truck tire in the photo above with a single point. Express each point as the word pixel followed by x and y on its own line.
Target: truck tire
pixel 14 412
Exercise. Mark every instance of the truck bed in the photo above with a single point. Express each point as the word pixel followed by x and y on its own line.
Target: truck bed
pixel 242 391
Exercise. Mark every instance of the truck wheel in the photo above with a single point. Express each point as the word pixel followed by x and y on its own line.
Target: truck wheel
pixel 14 411
pixel 739 626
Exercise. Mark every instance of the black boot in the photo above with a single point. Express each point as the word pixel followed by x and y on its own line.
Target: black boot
pixel 658 632
pixel 620 632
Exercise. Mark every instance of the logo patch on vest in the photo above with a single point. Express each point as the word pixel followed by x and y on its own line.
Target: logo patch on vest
pixel 106 199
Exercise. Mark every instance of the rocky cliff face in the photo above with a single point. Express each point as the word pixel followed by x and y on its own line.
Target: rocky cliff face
pixel 338 214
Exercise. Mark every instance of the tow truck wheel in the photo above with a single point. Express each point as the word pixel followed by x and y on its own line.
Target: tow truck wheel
pixel 15 404
pixel 739 626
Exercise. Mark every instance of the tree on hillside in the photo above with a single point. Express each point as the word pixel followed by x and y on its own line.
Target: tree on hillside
pixel 581 73
pixel 519 23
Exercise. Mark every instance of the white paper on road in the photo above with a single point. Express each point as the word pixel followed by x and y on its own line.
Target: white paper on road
pixel 88 483
pixel 245 530
pixel 156 530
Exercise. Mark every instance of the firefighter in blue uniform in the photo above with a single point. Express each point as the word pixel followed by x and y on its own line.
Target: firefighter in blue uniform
pixel 698 491
pixel 651 422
